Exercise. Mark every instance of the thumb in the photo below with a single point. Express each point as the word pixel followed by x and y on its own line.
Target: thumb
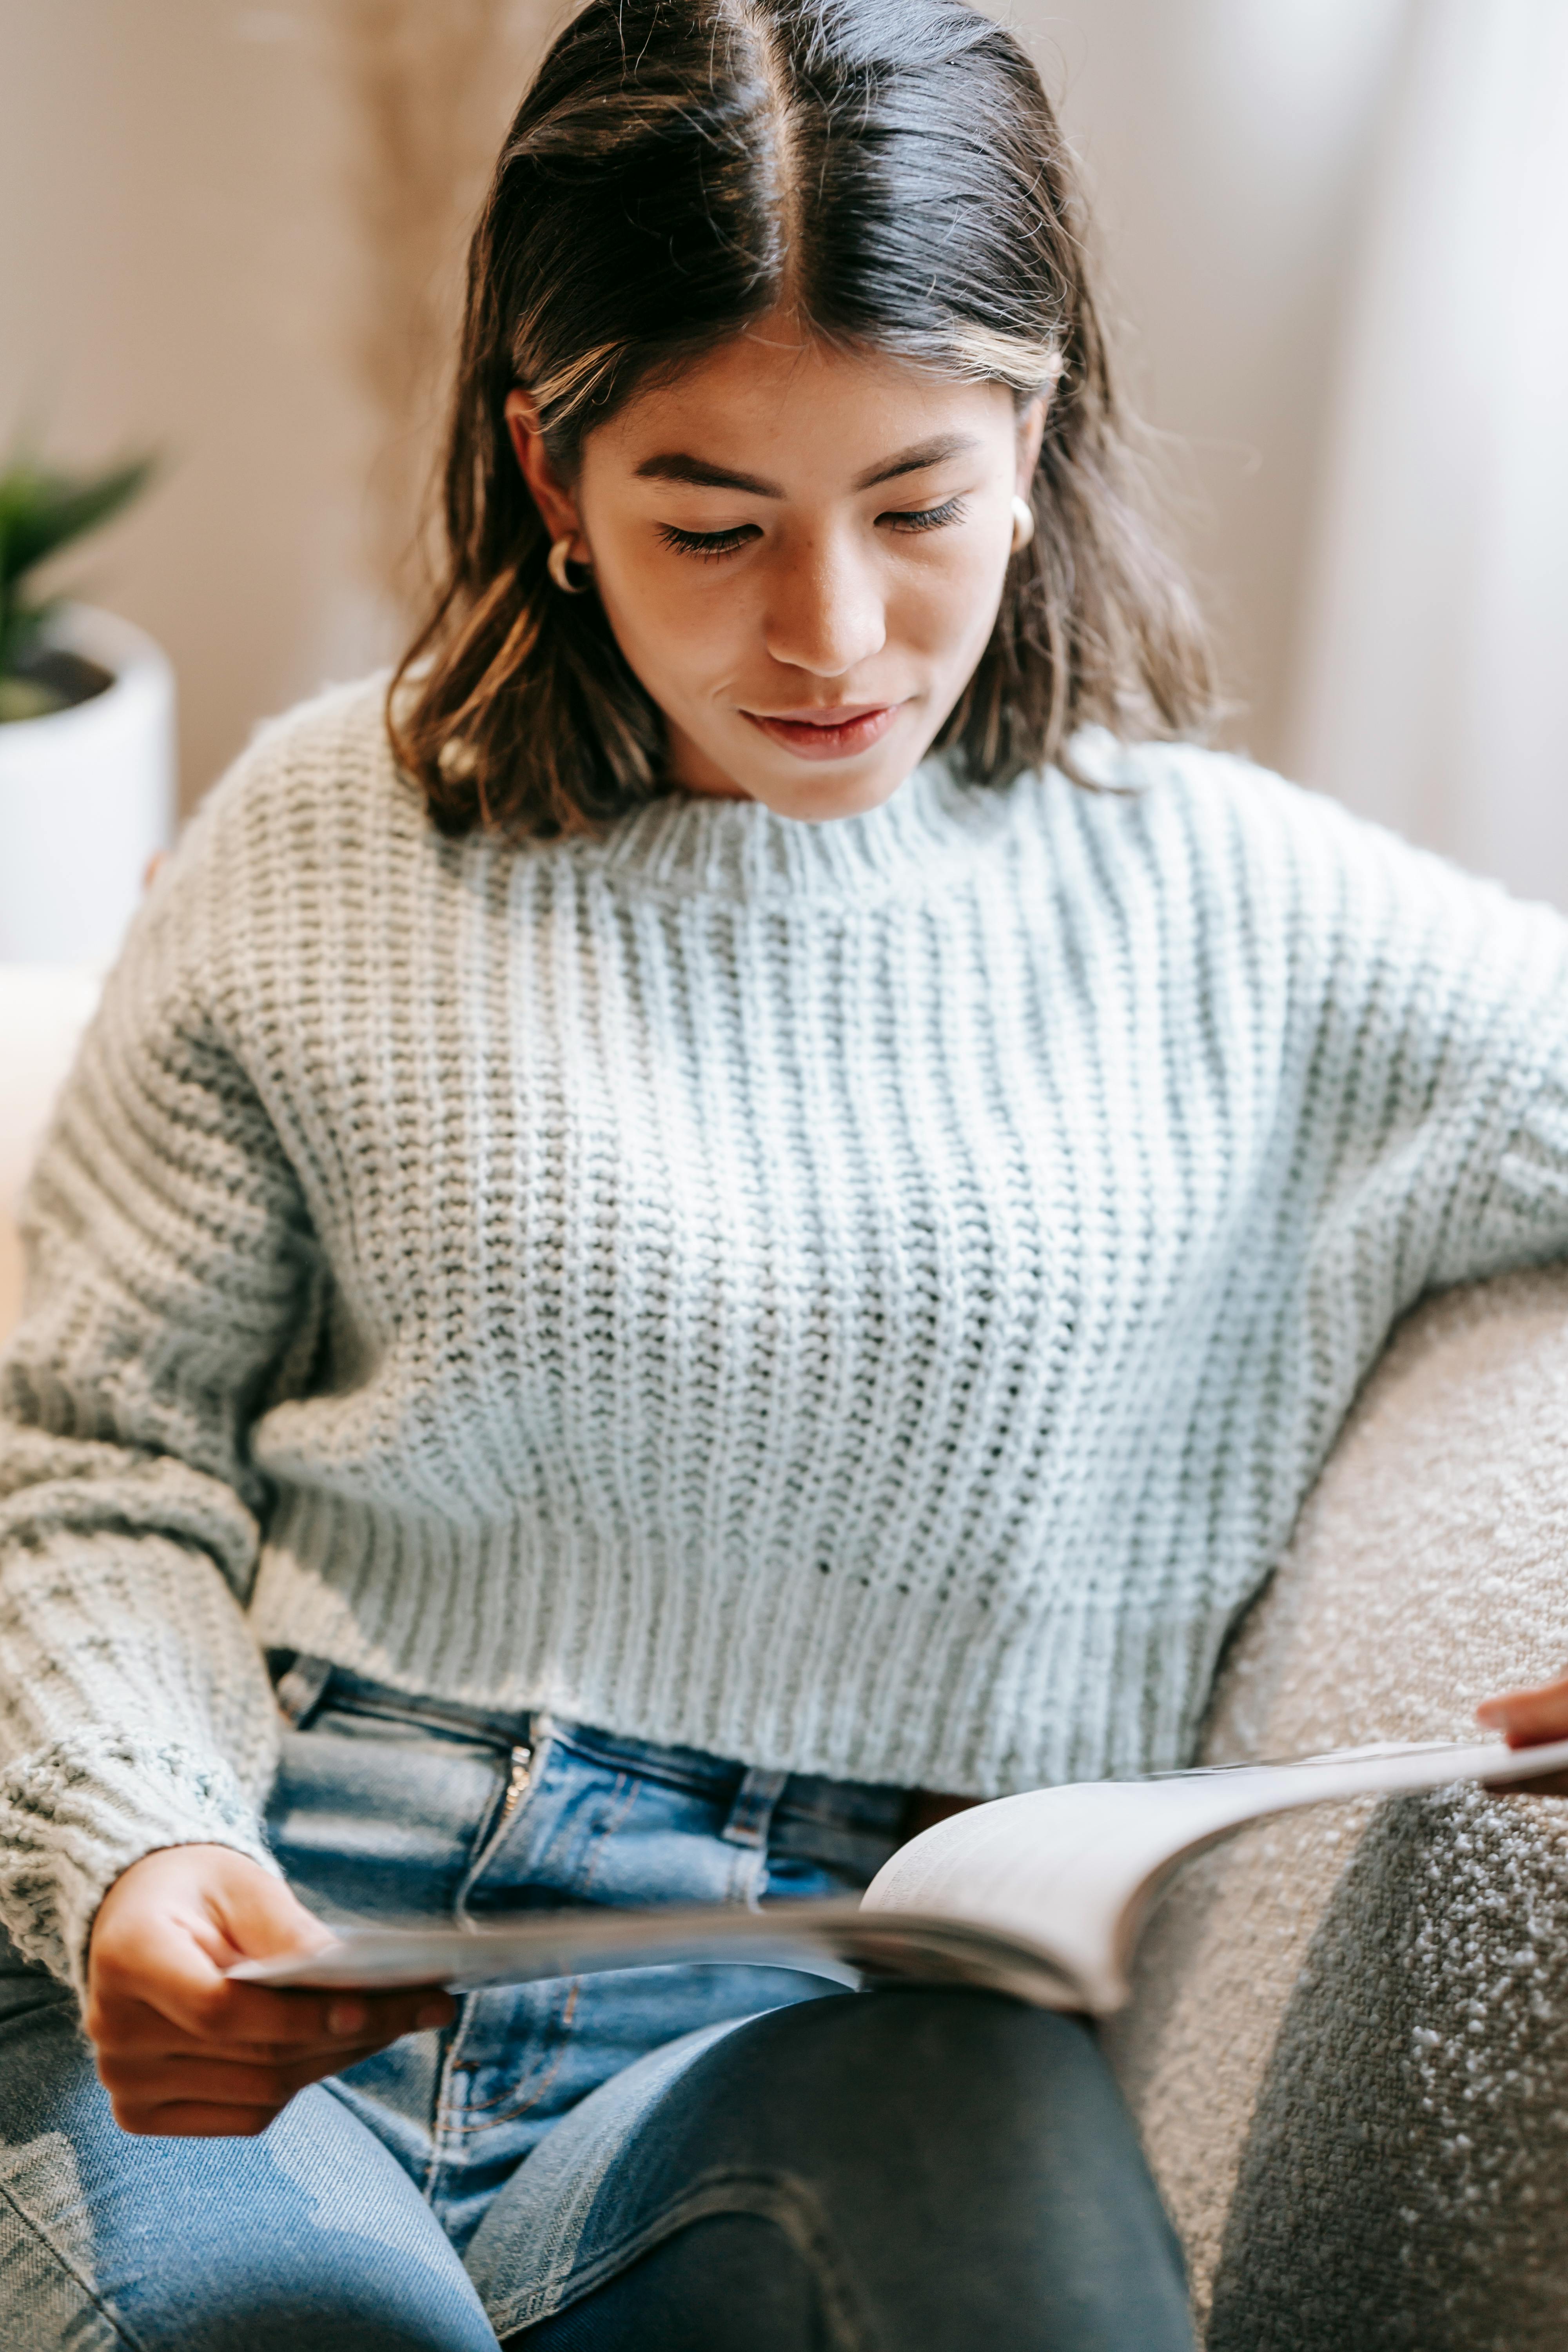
pixel 1528 1718
pixel 173 1922
pixel 258 1915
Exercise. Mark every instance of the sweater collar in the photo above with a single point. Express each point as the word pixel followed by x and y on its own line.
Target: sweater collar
pixel 689 842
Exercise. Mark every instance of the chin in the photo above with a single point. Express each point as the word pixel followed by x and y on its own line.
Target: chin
pixel 818 790
pixel 816 799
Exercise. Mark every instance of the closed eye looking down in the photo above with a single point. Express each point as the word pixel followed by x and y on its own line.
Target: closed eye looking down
pixel 712 543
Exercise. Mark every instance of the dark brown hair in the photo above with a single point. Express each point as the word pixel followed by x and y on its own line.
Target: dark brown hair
pixel 889 171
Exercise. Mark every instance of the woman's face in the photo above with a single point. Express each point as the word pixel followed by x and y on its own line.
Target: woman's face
pixel 801 553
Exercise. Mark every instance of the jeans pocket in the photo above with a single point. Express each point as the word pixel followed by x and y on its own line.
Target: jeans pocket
pixel 591 1833
pixel 810 1853
pixel 371 1822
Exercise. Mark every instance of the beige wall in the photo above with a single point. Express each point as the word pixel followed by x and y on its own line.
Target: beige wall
pixel 178 267
pixel 191 255
pixel 1229 146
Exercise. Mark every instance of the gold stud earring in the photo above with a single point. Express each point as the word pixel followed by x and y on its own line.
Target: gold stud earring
pixel 559 558
pixel 1023 524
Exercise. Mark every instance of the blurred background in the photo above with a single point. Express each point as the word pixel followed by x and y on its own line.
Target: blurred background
pixel 1334 234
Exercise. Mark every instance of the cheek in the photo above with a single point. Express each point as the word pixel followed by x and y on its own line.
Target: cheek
pixel 945 605
pixel 674 630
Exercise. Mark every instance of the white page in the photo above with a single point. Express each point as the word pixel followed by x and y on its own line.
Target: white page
pixel 1057 1874
pixel 1065 1869
pixel 571 1941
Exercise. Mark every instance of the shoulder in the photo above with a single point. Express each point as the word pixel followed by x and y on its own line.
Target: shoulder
pixel 299 832
pixel 314 800
pixel 1189 851
pixel 1219 805
pixel 321 769
pixel 1234 834
pixel 1233 871
pixel 342 724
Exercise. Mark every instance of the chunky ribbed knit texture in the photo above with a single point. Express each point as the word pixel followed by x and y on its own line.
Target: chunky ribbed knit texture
pixel 867 1297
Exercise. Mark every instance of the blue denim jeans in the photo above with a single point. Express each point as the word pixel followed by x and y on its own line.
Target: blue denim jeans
pixel 659 2159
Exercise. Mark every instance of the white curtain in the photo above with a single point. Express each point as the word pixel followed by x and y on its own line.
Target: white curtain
pixel 1432 692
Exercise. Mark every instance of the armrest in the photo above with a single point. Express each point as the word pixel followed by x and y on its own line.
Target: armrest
pixel 1349 2047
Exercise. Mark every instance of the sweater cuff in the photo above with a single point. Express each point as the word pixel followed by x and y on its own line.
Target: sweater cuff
pixel 73 1817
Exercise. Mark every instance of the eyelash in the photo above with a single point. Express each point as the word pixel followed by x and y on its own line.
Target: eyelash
pixel 713 545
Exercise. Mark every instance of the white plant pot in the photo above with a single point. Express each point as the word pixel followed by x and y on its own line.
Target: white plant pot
pixel 44 1008
pixel 87 796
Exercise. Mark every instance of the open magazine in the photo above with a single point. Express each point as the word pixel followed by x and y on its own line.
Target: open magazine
pixel 1041 1896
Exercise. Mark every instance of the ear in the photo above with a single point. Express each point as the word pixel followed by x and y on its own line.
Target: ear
pixel 1031 433
pixel 556 503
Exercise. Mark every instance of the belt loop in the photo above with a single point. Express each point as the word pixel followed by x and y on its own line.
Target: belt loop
pixel 301 1690
pixel 752 1814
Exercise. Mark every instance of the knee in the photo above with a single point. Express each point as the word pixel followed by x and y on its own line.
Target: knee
pixel 945 2053
pixel 224 2300
pixel 734 2282
pixel 961 2162
pixel 309 2236
pixel 913 2076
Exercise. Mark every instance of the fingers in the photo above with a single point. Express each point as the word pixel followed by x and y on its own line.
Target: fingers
pixel 1528 1718
pixel 250 2021
pixel 157 2076
pixel 1539 1784
pixel 260 1915
pixel 182 2047
pixel 173 1922
pixel 146 2090
pixel 141 2086
pixel 242 2016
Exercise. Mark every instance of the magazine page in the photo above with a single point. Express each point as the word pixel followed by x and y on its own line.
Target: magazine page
pixel 570 1942
pixel 1040 1895
pixel 1070 1870
pixel 836 1939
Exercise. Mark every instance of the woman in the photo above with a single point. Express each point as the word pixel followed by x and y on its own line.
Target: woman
pixel 756 1197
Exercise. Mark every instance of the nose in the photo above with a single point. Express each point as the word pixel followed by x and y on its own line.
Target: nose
pixel 825 611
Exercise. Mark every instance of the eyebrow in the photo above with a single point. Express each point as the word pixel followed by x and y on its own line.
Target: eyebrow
pixel 679 466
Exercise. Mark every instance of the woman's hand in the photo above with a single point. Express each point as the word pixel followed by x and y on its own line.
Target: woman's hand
pixel 1528 1719
pixel 183 2051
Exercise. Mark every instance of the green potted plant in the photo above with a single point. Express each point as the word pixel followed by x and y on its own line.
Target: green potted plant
pixel 86 730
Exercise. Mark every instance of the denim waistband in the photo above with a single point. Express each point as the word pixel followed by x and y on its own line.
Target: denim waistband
pixel 305 1685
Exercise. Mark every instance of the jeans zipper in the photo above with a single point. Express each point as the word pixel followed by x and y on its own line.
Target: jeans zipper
pixel 447 2128
pixel 518 1777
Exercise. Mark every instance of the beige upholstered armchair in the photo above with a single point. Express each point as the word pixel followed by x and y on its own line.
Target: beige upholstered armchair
pixel 1349 2051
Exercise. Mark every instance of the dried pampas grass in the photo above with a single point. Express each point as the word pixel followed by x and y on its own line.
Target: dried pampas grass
pixel 432 85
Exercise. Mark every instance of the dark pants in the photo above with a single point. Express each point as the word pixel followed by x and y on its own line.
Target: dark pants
pixel 905 2169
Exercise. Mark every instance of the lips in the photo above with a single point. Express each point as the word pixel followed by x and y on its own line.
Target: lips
pixel 828 734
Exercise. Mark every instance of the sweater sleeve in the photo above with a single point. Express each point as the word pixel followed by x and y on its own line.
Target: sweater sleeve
pixel 1523 1218
pixel 1411 1021
pixel 169 1280
pixel 1434 1078
pixel 1484 1064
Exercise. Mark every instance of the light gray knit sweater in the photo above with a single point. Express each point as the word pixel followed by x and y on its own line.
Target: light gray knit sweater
pixel 866 1297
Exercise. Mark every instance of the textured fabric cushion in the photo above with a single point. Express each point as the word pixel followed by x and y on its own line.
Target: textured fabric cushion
pixel 1349 2046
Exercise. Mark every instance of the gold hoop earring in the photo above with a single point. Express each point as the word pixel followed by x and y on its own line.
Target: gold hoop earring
pixel 558 559
pixel 1023 524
